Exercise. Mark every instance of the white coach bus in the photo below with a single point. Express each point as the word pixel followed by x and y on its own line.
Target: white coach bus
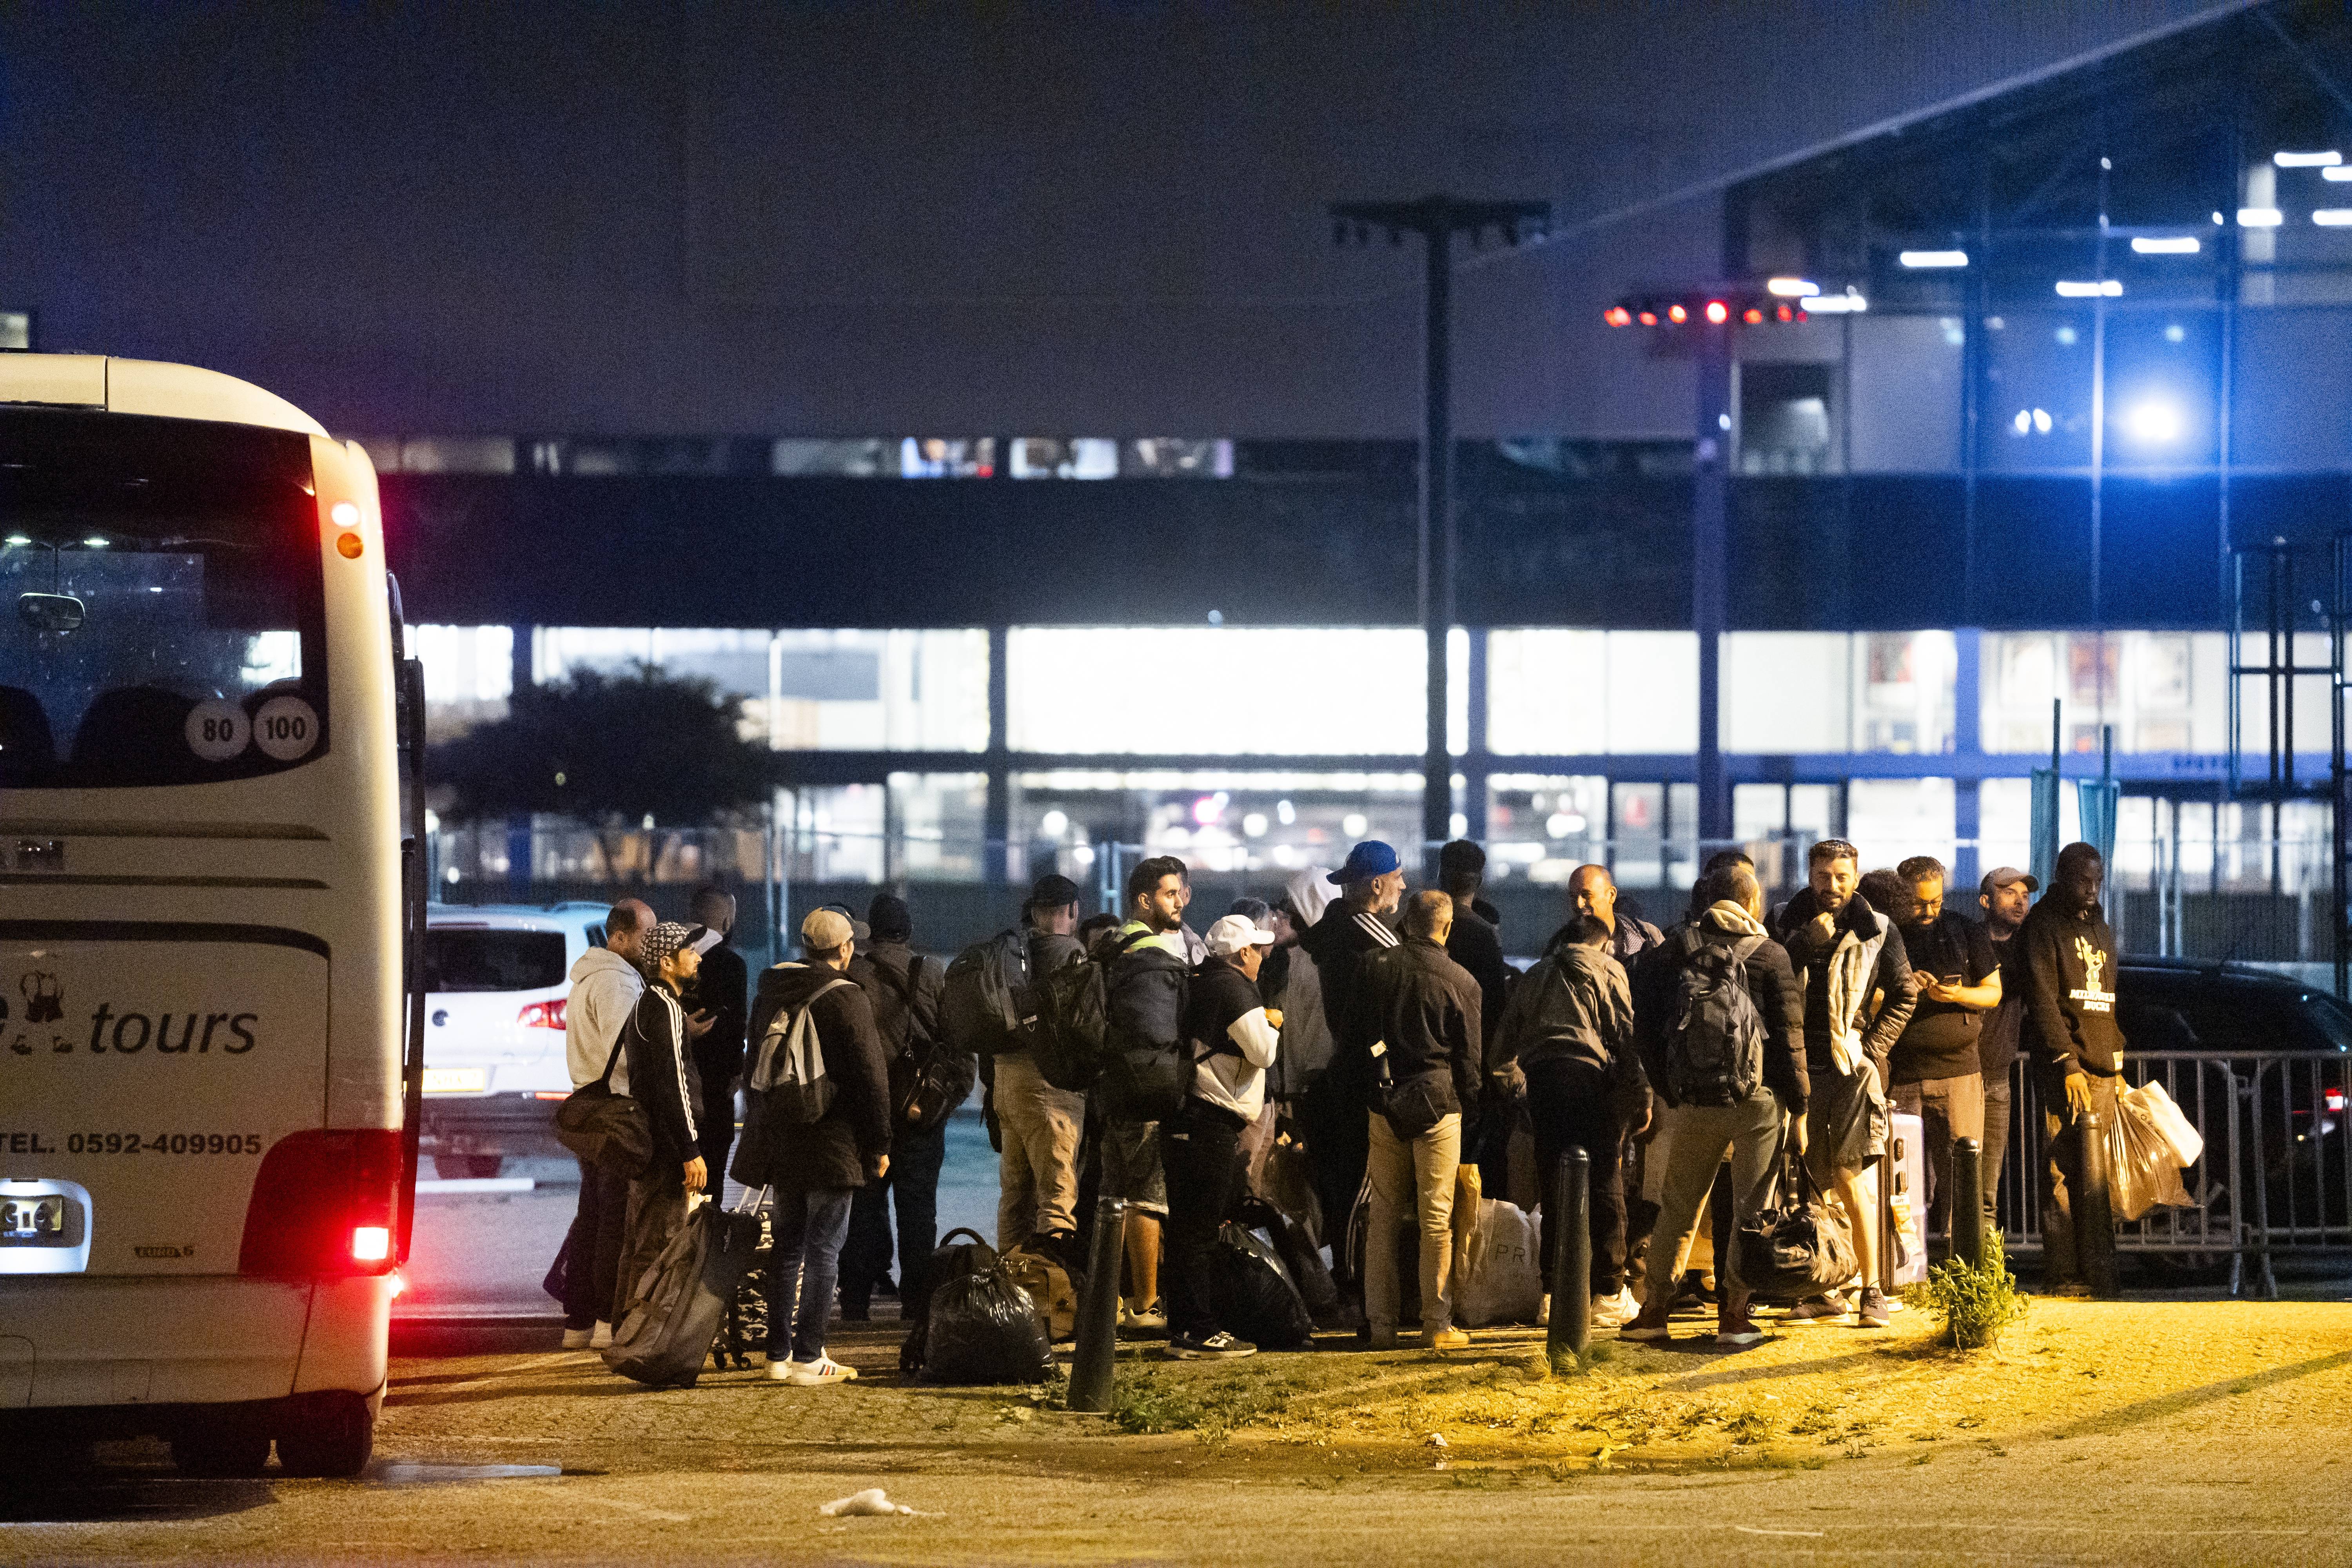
pixel 207 912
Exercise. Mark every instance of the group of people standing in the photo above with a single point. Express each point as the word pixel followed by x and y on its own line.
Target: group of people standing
pixel 1383 1040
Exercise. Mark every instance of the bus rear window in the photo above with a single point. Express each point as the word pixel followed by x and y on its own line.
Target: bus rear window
pixel 473 960
pixel 162 613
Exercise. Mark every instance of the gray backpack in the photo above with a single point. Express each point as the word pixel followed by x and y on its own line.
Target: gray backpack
pixel 788 1079
pixel 1715 1046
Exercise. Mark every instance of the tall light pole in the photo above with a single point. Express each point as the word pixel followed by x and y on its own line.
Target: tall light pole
pixel 1437 219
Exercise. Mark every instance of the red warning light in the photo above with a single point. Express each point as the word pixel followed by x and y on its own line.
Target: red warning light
pixel 1649 317
pixel 1752 316
pixel 1676 314
pixel 1783 313
pixel 1618 316
pixel 1717 312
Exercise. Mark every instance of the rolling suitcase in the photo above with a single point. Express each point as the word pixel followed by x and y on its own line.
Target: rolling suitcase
pixel 675 1312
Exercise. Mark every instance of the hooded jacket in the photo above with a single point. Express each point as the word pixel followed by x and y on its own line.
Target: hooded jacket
pixel 605 990
pixel 662 1075
pixel 1771 986
pixel 1576 1002
pixel 2069 962
pixel 838 1149
pixel 1836 977
pixel 1306 1025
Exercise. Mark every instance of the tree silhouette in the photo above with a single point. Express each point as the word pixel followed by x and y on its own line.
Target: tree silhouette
pixel 609 750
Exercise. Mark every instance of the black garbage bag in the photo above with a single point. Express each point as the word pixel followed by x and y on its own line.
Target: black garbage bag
pixel 1301 1258
pixel 983 1329
pixel 1253 1293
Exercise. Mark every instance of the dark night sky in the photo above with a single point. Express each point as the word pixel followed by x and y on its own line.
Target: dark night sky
pixel 880 219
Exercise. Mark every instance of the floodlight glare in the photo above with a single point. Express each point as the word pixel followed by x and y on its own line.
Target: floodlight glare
pixel 2337 175
pixel 2328 160
pixel 2168 244
pixel 2024 421
pixel 1846 304
pixel 2260 218
pixel 2070 288
pixel 1792 287
pixel 2153 422
pixel 1917 259
pixel 2041 422
pixel 2333 217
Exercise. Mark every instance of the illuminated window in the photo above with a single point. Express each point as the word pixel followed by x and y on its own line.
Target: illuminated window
pixel 1587 693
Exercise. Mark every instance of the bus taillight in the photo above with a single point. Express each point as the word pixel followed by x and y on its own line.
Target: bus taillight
pixel 325 1204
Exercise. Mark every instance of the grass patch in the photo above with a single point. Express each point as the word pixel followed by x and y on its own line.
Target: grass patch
pixel 1152 1402
pixel 1972 1306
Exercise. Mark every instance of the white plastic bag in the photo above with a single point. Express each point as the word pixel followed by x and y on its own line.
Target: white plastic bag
pixel 1501 1279
pixel 2178 1133
pixel 2141 1171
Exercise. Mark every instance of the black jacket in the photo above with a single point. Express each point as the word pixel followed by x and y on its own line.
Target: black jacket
pixel 1810 959
pixel 906 990
pixel 1771 985
pixel 1476 947
pixel 719 988
pixel 662 1075
pixel 2069 963
pixel 1340 943
pixel 1424 1009
pixel 837 1150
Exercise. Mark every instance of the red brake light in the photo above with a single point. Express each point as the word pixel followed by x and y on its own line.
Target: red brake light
pixel 325 1202
pixel 1676 314
pixel 2334 1098
pixel 1752 316
pixel 542 1015
pixel 1649 317
pixel 1717 311
pixel 1618 316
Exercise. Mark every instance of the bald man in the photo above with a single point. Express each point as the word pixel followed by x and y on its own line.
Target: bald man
pixel 1592 890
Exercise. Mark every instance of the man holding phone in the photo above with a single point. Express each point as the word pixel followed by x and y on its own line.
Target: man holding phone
pixel 1934 1070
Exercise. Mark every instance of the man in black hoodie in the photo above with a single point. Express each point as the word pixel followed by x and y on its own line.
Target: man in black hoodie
pixel 2068 963
pixel 655 1051
pixel 1845 953
pixel 815 1169
pixel 1354 926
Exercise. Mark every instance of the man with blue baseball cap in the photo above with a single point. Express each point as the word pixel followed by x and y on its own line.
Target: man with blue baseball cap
pixel 1356 926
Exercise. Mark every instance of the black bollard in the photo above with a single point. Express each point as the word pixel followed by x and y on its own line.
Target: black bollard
pixel 1098 1326
pixel 2095 1215
pixel 1968 1201
pixel 1572 1259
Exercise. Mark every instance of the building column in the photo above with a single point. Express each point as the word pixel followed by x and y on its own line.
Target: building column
pixel 996 853
pixel 1475 758
pixel 523 677
pixel 1968 740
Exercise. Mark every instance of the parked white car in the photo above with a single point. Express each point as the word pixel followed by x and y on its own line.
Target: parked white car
pixel 496 976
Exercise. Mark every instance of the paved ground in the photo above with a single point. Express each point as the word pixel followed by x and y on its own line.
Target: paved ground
pixel 2128 1433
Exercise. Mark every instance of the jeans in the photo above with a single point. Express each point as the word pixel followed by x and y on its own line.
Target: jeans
pixel 1038 1171
pixel 805 1230
pixel 913 1188
pixel 1751 1131
pixel 1996 1142
pixel 1569 1103
pixel 1200 1151
pixel 1948 1108
pixel 2062 1262
pixel 1420 1174
pixel 593 1249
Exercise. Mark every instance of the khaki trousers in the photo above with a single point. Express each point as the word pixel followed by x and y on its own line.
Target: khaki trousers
pixel 1419 1174
pixel 1037 1174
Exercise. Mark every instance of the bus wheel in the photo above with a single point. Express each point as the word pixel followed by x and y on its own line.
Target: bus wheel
pixel 327 1435
pixel 467 1167
pixel 236 1448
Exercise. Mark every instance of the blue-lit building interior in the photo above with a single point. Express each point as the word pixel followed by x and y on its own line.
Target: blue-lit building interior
pixel 2068 421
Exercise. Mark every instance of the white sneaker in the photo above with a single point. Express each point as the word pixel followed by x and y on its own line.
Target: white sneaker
pixel 577 1339
pixel 1149 1320
pixel 602 1337
pixel 782 1371
pixel 820 1372
pixel 1543 1313
pixel 1614 1311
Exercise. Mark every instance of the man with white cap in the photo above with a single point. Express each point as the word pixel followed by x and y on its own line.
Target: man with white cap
pixel 1232 1039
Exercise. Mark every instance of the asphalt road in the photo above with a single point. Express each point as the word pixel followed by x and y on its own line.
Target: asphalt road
pixel 483 1254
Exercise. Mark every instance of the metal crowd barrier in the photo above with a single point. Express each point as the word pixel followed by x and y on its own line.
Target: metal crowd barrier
pixel 2275 1176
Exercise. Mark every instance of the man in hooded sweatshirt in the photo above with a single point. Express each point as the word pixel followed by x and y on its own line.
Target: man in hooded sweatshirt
pixel 1706 1123
pixel 2069 965
pixel 606 985
pixel 1845 952
pixel 1566 1040
pixel 657 1046
pixel 813 1171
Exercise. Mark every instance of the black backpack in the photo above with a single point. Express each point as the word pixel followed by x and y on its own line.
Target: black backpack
pixel 922 1081
pixel 1073 1041
pixel 1147 1067
pixel 1714 1045
pixel 985 1007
